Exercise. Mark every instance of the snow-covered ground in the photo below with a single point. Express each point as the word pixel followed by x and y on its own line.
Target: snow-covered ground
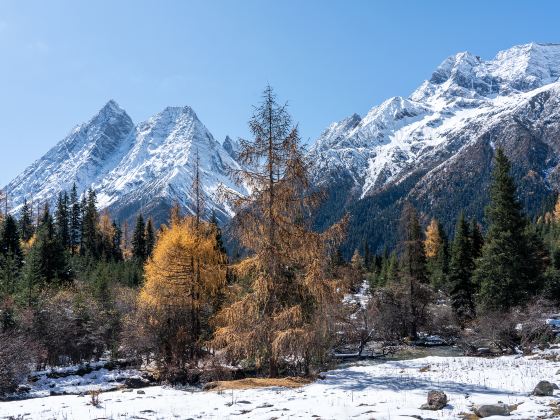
pixel 393 389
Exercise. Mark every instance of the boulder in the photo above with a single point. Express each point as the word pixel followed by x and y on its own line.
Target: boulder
pixel 436 401
pixel 488 410
pixel 136 382
pixel 543 389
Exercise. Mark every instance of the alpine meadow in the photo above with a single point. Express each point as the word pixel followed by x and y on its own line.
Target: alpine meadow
pixel 403 262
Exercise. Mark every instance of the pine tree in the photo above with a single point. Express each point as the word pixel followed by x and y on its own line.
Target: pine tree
pixel 139 240
pixel 477 240
pixel 47 261
pixel 116 250
pixel 150 238
pixel 461 287
pixel 90 219
pixel 75 221
pixel 506 269
pixel 26 227
pixel 10 241
pixel 367 257
pixel 62 220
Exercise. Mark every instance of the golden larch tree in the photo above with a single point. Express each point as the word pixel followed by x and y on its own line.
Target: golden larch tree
pixel 183 280
pixel 279 309
pixel 433 240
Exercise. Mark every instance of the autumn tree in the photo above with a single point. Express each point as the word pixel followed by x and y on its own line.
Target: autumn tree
pixel 183 278
pixel 413 275
pixel 436 250
pixel 280 311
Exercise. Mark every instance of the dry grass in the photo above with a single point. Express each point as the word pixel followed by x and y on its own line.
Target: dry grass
pixel 249 383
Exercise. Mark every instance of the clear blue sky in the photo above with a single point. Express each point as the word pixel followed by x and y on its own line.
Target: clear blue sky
pixel 62 60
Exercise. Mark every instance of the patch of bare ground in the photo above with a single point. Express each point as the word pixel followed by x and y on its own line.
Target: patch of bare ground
pixel 250 383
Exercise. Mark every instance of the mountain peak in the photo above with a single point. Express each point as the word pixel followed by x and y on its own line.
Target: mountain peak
pixel 231 146
pixel 111 108
pixel 520 68
pixel 175 112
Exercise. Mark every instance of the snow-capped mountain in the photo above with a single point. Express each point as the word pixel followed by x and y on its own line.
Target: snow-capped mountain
pixel 85 157
pixel 159 169
pixel 147 167
pixel 435 147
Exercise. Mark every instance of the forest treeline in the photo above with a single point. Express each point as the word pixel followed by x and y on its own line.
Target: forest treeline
pixel 75 285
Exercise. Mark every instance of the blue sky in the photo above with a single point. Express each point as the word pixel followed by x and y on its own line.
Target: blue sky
pixel 62 60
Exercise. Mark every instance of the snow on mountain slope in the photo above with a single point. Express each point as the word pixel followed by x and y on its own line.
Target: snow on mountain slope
pixel 403 134
pixel 85 156
pixel 161 166
pixel 147 167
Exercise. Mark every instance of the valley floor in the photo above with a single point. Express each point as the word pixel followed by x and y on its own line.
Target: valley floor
pixel 388 390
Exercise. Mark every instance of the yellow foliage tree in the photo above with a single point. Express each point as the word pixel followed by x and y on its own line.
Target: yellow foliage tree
pixel 556 212
pixel 433 240
pixel 280 309
pixel 183 280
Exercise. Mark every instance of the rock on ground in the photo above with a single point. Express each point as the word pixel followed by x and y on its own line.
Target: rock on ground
pixel 488 410
pixel 436 401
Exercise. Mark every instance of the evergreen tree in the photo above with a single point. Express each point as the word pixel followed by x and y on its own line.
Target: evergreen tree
pixel 139 240
pixel 461 287
pixel 90 220
pixel 506 269
pixel 10 241
pixel 219 235
pixel 150 238
pixel 477 240
pixel 367 257
pixel 26 228
pixel 116 250
pixel 75 220
pixel 47 261
pixel 62 220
